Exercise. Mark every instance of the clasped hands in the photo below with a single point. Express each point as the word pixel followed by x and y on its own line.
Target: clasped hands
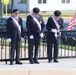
pixel 55 30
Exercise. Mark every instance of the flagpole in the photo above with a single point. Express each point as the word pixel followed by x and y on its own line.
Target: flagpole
pixel 6 9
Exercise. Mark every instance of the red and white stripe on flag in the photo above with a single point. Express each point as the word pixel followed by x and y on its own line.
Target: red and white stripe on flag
pixel 71 24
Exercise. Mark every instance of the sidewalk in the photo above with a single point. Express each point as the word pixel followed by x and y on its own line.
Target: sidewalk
pixel 64 67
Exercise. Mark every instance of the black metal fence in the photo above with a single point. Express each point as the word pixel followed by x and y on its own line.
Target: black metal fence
pixel 67 48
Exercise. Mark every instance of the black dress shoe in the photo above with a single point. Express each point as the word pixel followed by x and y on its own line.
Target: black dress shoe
pixel 55 61
pixel 36 62
pixel 49 60
pixel 18 62
pixel 11 63
pixel 31 61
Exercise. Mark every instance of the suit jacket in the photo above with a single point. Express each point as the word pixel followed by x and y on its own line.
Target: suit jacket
pixel 32 27
pixel 51 25
pixel 12 30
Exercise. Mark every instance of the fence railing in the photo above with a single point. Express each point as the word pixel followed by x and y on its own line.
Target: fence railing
pixel 67 48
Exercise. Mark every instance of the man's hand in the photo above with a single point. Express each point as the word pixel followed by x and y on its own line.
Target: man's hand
pixel 41 35
pixel 31 37
pixel 9 40
pixel 22 39
pixel 58 31
pixel 54 30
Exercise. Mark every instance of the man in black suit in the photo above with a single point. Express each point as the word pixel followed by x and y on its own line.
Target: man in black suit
pixel 35 27
pixel 15 34
pixel 54 24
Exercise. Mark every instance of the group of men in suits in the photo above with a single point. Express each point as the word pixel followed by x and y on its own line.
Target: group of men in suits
pixel 35 28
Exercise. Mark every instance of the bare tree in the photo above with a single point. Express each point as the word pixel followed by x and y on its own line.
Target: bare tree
pixel 1 11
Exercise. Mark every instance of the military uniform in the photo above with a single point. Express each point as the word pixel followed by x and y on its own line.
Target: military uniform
pixel 34 33
pixel 52 39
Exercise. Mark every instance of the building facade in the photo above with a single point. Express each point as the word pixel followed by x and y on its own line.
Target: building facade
pixel 44 5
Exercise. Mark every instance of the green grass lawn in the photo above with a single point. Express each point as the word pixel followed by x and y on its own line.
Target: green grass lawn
pixel 68 47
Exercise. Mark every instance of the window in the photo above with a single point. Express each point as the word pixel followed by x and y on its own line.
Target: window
pixel 44 1
pixel 22 1
pixel 39 1
pixel 65 1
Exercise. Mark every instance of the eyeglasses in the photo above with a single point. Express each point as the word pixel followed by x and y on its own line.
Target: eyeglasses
pixel 16 13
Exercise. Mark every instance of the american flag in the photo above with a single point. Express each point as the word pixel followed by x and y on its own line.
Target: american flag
pixel 72 23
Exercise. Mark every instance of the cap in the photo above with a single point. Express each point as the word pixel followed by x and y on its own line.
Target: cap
pixel 57 13
pixel 15 10
pixel 36 10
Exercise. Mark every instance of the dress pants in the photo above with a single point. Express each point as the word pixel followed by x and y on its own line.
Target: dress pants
pixel 33 44
pixel 50 44
pixel 15 45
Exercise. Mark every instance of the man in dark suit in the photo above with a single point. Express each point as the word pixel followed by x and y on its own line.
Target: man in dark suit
pixel 15 34
pixel 35 27
pixel 54 24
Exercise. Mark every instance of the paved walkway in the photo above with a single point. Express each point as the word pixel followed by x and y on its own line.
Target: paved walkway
pixel 63 64
pixel 64 67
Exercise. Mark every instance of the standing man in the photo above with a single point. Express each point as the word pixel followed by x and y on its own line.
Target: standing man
pixel 35 27
pixel 14 33
pixel 54 24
